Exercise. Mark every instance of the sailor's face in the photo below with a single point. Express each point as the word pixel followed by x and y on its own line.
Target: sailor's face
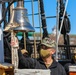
pixel 75 57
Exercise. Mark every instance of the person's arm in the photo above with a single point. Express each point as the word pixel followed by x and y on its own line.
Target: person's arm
pixel 27 62
pixel 63 70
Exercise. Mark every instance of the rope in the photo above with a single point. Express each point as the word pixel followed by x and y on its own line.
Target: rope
pixel 58 34
pixel 62 19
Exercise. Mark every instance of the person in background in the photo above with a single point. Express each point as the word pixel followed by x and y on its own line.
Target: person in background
pixel 46 60
pixel 72 63
pixel 74 57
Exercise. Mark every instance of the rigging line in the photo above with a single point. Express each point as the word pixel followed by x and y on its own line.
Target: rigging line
pixel 57 23
pixel 30 0
pixel 6 11
pixel 63 18
pixel 57 33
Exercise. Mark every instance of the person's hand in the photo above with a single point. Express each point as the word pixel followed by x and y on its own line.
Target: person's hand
pixel 23 51
pixel 14 42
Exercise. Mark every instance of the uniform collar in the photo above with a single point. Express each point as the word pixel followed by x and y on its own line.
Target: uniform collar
pixel 54 63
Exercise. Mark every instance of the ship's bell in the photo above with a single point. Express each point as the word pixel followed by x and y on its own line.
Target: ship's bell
pixel 19 21
pixel 20 16
pixel 11 24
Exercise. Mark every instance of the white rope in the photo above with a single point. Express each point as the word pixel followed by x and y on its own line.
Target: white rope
pixel 62 19
pixel 14 39
pixel 58 33
pixel 15 47
pixel 57 23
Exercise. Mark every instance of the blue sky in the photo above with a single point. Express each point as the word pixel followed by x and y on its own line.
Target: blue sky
pixel 50 10
pixel 72 12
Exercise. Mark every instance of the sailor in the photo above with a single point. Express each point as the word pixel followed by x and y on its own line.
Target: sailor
pixel 72 63
pixel 46 60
